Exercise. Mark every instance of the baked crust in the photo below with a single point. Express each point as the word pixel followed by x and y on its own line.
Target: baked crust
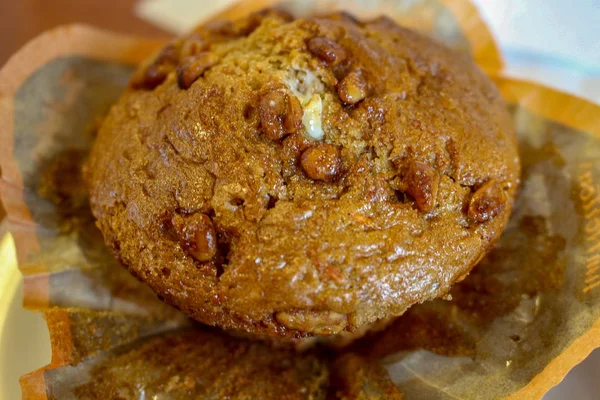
pixel 302 177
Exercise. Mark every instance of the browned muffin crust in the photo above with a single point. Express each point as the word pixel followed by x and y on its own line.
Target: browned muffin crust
pixel 302 177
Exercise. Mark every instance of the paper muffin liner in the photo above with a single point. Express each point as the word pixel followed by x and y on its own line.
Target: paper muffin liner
pixel 513 328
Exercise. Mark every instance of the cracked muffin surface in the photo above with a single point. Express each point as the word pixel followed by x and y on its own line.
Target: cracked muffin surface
pixel 301 177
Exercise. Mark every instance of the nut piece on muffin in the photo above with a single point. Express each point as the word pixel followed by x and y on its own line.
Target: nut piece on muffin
pixel 301 177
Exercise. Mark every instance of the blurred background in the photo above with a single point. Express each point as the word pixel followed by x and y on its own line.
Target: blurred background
pixel 554 42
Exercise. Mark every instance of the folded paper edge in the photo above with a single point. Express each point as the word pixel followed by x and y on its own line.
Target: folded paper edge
pixel 59 327
pixel 486 52
pixel 560 366
pixel 33 384
pixel 583 115
pixel 62 41
pixel 561 107
pixel 36 290
pixel 64 348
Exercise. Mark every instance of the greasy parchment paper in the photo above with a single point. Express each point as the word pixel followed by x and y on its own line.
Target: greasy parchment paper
pixel 526 315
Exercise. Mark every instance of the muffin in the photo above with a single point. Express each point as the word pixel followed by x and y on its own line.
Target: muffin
pixel 301 177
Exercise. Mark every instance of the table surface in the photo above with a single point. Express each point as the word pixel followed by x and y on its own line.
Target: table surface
pixel 21 20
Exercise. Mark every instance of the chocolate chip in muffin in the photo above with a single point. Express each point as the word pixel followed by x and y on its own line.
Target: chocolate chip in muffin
pixel 487 202
pixel 193 45
pixel 352 88
pixel 280 114
pixel 150 77
pixel 422 182
pixel 197 234
pixel 157 71
pixel 321 322
pixel 327 50
pixel 192 68
pixel 322 162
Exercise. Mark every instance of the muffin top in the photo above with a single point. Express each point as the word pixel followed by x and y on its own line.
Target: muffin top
pixel 302 177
